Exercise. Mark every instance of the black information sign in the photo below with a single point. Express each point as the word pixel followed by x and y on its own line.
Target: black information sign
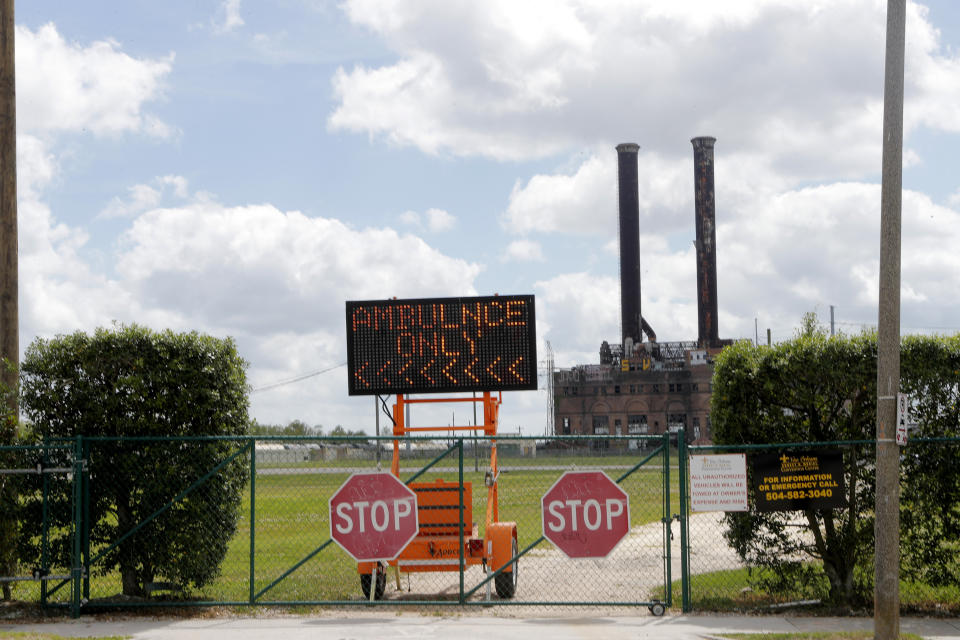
pixel 441 345
pixel 798 480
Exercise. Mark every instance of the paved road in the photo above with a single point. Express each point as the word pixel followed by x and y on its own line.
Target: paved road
pixel 376 626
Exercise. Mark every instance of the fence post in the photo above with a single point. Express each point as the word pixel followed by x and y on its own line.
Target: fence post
pixel 253 513
pixel 85 493
pixel 462 524
pixel 667 518
pixel 684 523
pixel 77 563
pixel 44 528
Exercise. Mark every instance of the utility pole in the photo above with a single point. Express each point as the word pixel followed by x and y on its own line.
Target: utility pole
pixel 831 321
pixel 886 598
pixel 9 312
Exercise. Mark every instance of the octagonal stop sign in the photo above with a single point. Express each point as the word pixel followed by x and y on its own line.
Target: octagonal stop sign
pixel 585 514
pixel 373 516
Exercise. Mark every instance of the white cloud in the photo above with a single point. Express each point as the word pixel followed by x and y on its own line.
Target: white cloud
pixel 59 291
pixel 228 17
pixel 523 251
pixel 434 220
pixel 954 199
pixel 67 86
pixel 143 197
pixel 257 267
pixel 575 311
pixel 585 202
pixel 527 81
pixel 439 220
pixel 411 219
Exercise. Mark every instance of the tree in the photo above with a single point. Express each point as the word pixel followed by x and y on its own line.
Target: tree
pixel 9 506
pixel 815 388
pixel 340 431
pixel 930 492
pixel 293 428
pixel 127 382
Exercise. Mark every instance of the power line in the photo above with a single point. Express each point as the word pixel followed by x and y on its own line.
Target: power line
pixel 874 324
pixel 305 376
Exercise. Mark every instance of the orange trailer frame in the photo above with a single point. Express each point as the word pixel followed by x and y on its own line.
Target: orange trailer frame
pixel 442 530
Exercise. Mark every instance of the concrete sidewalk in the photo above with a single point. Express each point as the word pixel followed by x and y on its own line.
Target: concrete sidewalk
pixel 442 627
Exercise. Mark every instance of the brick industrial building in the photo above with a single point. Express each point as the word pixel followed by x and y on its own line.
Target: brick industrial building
pixel 642 387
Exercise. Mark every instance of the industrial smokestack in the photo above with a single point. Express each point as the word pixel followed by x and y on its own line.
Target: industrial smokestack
pixel 706 242
pixel 630 323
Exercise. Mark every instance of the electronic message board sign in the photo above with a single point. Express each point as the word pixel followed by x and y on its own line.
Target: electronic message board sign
pixel 432 345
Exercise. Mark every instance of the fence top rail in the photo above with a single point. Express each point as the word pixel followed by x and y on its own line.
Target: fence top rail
pixel 361 438
pixel 36 447
pixel 776 445
pixel 829 443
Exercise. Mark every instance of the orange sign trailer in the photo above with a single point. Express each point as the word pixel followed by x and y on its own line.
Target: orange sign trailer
pixel 437 546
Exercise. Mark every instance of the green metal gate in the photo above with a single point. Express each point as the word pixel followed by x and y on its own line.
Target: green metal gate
pixel 244 521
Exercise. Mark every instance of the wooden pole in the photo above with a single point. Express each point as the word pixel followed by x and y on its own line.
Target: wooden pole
pixel 9 313
pixel 886 614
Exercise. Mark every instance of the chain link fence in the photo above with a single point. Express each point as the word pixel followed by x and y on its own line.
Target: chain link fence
pixel 37 501
pixel 99 522
pixel 823 558
pixel 203 521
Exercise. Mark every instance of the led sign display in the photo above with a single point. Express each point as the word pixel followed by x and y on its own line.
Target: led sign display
pixel 441 345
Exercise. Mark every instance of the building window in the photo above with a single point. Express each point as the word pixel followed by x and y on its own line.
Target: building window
pixel 694 386
pixel 671 388
pixel 676 421
pixel 601 425
pixel 696 428
pixel 566 426
pixel 655 389
pixel 617 428
pixel 616 388
pixel 637 424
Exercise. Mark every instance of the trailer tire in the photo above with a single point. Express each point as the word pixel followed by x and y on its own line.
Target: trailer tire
pixel 506 582
pixel 381 583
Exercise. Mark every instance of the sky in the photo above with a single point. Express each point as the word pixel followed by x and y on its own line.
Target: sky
pixel 243 168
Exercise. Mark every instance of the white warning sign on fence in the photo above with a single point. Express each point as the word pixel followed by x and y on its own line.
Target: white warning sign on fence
pixel 903 416
pixel 718 482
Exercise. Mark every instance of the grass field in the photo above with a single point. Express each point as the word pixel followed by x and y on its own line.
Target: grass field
pixel 732 590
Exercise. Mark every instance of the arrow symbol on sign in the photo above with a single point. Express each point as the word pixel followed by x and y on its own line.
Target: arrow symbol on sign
pixel 513 368
pixel 359 377
pixel 490 370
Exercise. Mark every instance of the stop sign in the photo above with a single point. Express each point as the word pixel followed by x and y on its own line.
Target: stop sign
pixel 585 514
pixel 373 516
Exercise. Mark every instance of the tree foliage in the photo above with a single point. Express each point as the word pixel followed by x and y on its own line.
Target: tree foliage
pixel 819 388
pixel 131 381
pixel 292 428
pixel 8 484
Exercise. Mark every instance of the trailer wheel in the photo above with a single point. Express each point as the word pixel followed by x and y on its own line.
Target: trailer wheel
pixel 381 583
pixel 657 609
pixel 506 583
